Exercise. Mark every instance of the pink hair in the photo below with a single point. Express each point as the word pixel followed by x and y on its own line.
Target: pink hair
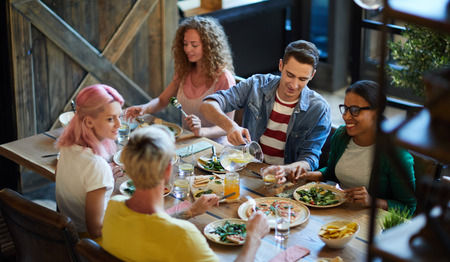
pixel 90 102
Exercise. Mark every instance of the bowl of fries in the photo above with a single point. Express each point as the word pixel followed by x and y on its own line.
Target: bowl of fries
pixel 338 234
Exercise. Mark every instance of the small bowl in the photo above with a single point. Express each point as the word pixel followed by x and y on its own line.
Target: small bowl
pixel 339 242
pixel 65 118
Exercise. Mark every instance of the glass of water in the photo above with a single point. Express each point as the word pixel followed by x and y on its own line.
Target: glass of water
pixel 124 131
pixel 282 221
pixel 180 183
pixel 186 164
pixel 181 179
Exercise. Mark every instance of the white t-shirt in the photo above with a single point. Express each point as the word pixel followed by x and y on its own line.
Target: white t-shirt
pixel 355 166
pixel 80 171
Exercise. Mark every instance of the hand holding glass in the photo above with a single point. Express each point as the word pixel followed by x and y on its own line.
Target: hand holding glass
pixel 268 177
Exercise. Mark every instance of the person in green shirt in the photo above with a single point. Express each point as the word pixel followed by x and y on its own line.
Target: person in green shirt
pixel 352 152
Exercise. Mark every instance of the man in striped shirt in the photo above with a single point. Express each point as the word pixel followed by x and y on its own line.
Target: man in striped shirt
pixel 289 120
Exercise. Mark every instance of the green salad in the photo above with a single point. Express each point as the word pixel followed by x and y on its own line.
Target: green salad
pixel 229 229
pixel 212 165
pixel 130 188
pixel 318 196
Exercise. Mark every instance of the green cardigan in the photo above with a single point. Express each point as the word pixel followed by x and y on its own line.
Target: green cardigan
pixel 391 186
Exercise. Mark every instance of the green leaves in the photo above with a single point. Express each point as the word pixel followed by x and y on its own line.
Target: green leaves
pixel 394 217
pixel 424 51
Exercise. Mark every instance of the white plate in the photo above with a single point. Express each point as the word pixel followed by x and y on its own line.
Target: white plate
pixel 125 185
pixel 176 129
pixel 116 158
pixel 213 225
pixel 340 196
pixel 304 211
pixel 207 157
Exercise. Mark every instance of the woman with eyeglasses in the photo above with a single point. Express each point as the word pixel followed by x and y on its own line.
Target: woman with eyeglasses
pixel 352 153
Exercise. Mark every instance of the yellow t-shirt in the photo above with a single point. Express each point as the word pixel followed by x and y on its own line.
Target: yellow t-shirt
pixel 133 236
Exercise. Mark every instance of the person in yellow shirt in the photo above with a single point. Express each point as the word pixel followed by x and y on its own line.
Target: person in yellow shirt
pixel 139 229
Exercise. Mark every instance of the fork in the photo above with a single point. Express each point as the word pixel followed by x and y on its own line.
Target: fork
pixel 174 102
pixel 252 202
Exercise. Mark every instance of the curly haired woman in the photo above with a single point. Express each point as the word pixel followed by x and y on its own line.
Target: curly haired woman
pixel 203 65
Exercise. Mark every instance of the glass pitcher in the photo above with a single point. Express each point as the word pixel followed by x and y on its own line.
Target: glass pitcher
pixel 234 158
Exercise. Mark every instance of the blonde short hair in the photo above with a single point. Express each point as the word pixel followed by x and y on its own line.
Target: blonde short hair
pixel 147 155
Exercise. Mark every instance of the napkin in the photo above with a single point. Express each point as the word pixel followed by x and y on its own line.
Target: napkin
pixel 192 149
pixel 181 206
pixel 291 254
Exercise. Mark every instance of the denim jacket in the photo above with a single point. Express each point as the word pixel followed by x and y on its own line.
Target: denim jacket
pixel 308 127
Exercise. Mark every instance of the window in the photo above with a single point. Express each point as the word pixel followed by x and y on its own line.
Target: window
pixel 319 26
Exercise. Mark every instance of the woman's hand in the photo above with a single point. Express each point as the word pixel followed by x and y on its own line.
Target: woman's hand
pixel 202 204
pixel 117 170
pixel 195 124
pixel 133 112
pixel 358 195
pixel 297 174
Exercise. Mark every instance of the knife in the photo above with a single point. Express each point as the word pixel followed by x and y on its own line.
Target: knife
pixel 214 156
pixel 227 196
pixel 50 155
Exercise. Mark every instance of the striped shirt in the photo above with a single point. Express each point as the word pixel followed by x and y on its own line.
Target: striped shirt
pixel 273 140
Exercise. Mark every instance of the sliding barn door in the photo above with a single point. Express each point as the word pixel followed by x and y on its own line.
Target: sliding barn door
pixel 58 47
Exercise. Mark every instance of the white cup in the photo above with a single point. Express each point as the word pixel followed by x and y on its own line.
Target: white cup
pixel 65 118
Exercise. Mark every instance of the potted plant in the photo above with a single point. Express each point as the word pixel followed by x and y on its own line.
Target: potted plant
pixel 423 51
pixel 393 218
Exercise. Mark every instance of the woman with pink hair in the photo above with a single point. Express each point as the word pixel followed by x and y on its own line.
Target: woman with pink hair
pixel 84 179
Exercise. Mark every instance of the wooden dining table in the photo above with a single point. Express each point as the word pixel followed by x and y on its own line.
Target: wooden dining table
pixel 28 152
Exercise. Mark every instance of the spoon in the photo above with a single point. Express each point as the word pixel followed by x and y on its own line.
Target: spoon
pixel 175 103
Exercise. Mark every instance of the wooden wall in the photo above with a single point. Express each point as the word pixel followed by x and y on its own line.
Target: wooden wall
pixel 57 47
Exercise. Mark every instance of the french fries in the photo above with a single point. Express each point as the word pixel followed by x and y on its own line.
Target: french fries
pixel 335 232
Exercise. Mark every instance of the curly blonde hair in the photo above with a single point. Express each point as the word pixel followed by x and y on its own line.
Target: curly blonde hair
pixel 216 50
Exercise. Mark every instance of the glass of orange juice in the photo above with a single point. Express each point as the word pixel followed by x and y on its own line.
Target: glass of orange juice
pixel 232 185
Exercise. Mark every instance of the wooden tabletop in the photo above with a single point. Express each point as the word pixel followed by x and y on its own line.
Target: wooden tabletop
pixel 28 151
pixel 304 235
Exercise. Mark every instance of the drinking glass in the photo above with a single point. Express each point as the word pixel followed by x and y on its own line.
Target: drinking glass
pixel 269 179
pixel 232 185
pixel 234 158
pixel 180 183
pixel 124 131
pixel 282 221
pixel 186 164
pixel 181 179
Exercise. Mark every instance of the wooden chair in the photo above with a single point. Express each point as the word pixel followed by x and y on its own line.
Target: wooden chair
pixel 7 250
pixel 93 252
pixel 38 233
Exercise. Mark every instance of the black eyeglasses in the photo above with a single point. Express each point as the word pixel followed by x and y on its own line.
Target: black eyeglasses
pixel 354 110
